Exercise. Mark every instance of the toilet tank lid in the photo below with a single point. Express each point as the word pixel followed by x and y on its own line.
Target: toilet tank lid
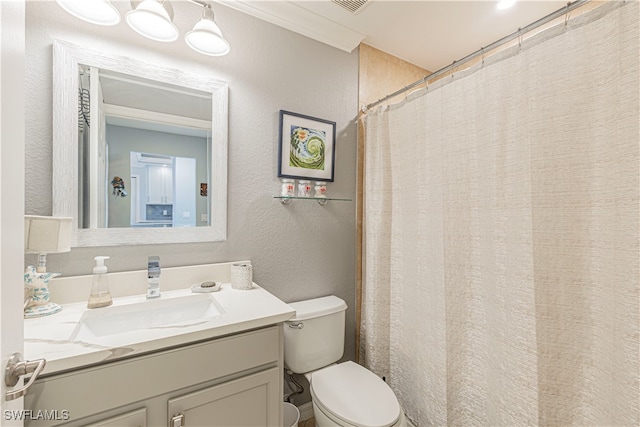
pixel 317 307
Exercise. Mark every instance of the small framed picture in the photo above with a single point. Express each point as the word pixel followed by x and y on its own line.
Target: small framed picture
pixel 306 148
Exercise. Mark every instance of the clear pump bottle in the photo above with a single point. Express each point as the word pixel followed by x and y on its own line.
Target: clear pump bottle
pixel 100 295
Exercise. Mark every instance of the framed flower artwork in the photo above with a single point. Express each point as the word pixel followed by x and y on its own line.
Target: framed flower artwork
pixel 306 147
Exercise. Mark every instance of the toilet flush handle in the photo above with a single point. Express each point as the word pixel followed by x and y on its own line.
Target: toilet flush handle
pixel 296 325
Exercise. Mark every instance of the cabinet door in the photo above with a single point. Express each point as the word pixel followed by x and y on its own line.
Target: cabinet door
pixel 248 401
pixel 159 185
pixel 137 418
pixel 155 184
pixel 167 185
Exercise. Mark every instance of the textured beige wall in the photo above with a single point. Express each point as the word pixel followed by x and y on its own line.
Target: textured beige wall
pixel 380 74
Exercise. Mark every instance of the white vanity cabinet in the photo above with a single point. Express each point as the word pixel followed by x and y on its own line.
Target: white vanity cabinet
pixel 137 418
pixel 242 402
pixel 159 185
pixel 235 380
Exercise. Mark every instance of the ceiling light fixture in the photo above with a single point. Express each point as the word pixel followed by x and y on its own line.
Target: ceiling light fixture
pixel 206 37
pixel 153 19
pixel 100 12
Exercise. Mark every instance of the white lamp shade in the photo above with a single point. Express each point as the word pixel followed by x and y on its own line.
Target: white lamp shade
pixel 100 12
pixel 151 19
pixel 207 39
pixel 47 234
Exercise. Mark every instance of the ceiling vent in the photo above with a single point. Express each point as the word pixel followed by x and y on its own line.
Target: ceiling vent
pixel 154 158
pixel 353 6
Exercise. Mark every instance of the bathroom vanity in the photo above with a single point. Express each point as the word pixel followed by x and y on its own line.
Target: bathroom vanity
pixel 186 359
pixel 233 380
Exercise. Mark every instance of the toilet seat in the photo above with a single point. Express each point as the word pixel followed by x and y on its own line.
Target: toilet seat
pixel 355 395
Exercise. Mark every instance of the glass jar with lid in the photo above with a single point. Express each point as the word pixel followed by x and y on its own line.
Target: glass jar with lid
pixel 288 187
pixel 320 189
pixel 304 188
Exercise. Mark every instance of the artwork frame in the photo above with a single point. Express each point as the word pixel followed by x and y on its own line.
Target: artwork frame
pixel 294 159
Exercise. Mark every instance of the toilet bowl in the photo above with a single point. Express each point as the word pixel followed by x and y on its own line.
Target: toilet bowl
pixel 348 394
pixel 344 394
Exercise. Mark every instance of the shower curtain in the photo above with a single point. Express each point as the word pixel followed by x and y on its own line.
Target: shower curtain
pixel 502 262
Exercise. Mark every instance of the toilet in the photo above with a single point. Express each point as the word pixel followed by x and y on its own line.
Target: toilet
pixel 343 394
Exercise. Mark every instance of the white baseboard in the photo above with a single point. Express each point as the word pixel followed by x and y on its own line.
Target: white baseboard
pixel 306 411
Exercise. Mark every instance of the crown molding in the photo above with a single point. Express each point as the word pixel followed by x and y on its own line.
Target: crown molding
pixel 289 15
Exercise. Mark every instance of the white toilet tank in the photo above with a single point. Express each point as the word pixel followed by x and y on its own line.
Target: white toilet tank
pixel 314 338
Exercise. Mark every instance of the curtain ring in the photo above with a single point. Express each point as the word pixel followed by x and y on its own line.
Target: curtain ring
pixel 406 90
pixel 482 50
pixel 520 38
pixel 567 15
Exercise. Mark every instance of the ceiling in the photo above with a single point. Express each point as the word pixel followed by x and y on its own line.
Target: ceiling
pixel 430 34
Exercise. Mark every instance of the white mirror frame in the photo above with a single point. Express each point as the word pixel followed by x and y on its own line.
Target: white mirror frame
pixel 66 58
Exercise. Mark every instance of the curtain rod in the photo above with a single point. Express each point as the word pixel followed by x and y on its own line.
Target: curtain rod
pixel 563 11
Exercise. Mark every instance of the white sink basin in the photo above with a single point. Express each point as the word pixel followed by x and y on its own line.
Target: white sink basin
pixel 148 314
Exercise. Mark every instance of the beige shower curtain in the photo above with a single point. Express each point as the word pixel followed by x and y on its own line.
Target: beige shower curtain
pixel 502 262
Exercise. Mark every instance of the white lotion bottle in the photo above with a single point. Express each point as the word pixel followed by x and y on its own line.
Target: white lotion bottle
pixel 100 295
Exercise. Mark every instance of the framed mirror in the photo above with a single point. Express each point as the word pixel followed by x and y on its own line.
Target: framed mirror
pixel 139 150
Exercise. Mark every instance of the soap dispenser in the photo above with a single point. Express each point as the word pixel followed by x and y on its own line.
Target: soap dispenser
pixel 100 295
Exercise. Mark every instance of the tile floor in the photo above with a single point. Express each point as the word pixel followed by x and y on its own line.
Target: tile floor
pixel 311 422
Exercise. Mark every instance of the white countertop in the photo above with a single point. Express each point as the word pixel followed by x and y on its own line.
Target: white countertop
pixel 53 337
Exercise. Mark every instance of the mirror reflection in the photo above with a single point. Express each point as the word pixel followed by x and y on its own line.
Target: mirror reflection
pixel 139 150
pixel 143 148
pixel 161 192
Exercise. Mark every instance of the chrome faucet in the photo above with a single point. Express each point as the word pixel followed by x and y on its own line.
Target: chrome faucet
pixel 153 274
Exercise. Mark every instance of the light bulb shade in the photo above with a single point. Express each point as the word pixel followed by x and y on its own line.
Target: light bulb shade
pixel 100 12
pixel 153 19
pixel 47 234
pixel 206 38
